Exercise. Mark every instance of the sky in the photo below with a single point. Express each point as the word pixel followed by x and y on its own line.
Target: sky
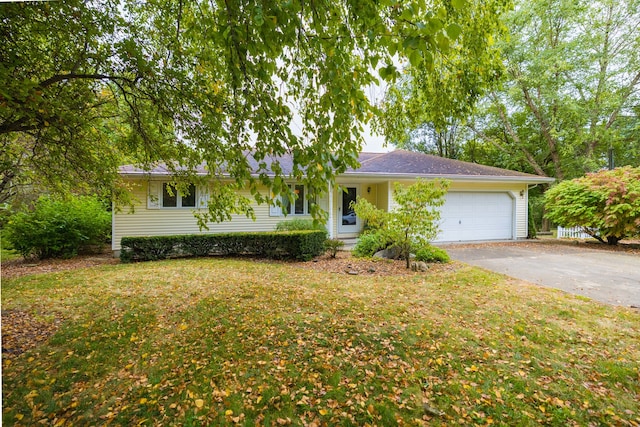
pixel 374 143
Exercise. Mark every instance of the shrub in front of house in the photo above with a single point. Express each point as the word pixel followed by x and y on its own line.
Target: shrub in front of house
pixel 605 204
pixel 298 224
pixel 59 228
pixel 300 245
pixel 369 243
pixel 432 254
pixel 332 246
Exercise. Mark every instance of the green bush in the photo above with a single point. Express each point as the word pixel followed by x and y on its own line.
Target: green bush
pixel 149 248
pixel 604 205
pixel 333 246
pixel 368 244
pixel 56 228
pixel 298 224
pixel 300 244
pixel 432 254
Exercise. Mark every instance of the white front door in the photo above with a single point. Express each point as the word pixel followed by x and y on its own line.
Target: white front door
pixel 348 222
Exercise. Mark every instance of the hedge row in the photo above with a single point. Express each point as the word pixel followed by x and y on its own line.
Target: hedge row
pixel 301 245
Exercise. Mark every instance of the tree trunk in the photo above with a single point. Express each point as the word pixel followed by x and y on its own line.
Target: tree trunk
pixel 613 240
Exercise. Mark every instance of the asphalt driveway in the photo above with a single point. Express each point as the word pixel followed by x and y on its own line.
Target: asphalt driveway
pixel 609 277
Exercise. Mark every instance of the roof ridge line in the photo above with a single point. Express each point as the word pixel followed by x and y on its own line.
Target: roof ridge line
pixel 374 157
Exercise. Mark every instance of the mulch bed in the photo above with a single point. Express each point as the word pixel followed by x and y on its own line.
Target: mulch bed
pixel 344 263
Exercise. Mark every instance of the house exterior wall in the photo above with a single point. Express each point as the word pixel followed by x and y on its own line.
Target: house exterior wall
pixel 155 222
pixel 152 222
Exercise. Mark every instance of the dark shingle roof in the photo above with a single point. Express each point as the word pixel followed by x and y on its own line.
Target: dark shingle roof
pixel 404 162
pixel 398 163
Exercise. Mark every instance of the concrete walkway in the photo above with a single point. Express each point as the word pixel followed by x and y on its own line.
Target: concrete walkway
pixel 605 276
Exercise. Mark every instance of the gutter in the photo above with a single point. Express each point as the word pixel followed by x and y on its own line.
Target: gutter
pixel 454 177
pixel 388 176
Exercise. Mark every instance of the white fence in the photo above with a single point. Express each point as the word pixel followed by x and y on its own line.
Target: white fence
pixel 572 233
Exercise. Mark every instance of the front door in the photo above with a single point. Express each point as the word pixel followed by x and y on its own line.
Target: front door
pixel 348 222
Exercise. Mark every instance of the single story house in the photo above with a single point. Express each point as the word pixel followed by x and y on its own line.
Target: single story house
pixel 483 203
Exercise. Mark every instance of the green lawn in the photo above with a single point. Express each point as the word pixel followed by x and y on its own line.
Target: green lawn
pixel 214 341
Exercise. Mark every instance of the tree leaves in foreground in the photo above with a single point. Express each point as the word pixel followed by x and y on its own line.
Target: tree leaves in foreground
pixel 89 85
pixel 423 109
pixel 606 205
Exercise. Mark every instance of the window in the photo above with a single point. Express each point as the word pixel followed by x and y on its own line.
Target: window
pixel 171 198
pixel 301 205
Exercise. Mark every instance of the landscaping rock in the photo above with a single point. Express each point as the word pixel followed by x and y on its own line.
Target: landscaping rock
pixel 390 253
pixel 419 266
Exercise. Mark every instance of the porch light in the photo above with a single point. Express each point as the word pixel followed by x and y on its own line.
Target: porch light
pixel 368 189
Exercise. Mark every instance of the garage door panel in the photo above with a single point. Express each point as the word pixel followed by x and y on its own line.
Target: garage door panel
pixel 476 216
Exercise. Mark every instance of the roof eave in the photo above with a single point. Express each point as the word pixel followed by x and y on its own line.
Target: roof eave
pixel 454 177
pixel 151 174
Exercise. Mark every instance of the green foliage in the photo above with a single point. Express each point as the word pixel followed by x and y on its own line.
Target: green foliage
pixel 299 244
pixel 606 205
pixel 59 228
pixel 89 85
pixel 570 92
pixel 333 246
pixel 6 253
pixel 299 224
pixel 369 243
pixel 432 254
pixel 412 224
pixel 153 248
pixel 430 101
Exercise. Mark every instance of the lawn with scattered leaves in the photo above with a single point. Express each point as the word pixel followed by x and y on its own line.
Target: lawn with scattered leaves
pixel 226 342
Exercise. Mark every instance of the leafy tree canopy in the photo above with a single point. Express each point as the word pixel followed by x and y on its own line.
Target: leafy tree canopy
pixel 88 85
pixel 430 101
pixel 564 80
pixel 570 93
pixel 606 205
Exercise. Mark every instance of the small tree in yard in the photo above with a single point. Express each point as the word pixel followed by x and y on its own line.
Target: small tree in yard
pixel 412 224
pixel 605 205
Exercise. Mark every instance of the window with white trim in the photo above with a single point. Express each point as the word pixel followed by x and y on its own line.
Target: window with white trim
pixel 300 206
pixel 163 195
pixel 172 198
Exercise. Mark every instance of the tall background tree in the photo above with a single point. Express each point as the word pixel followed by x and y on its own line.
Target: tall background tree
pixel 568 94
pixel 571 90
pixel 88 85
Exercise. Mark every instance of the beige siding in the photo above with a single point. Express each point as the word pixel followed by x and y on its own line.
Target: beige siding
pixel 382 191
pixel 151 222
pixel 154 222
pixel 522 213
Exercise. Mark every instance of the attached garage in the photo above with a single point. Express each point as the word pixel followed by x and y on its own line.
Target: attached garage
pixel 473 216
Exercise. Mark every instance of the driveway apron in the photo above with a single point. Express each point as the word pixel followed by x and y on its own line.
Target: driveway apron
pixel 609 277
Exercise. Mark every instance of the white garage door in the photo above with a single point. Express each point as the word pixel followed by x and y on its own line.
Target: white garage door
pixel 476 216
